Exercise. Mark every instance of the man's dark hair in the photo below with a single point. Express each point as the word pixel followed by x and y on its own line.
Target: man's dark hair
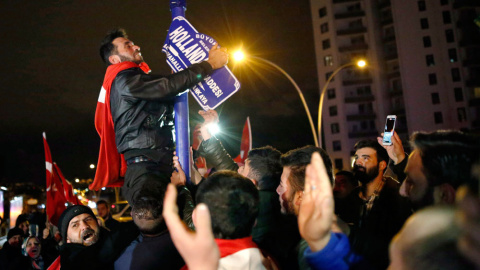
pixel 149 205
pixel 102 202
pixel 232 201
pixel 265 167
pixel 106 46
pixel 447 156
pixel 298 159
pixel 437 250
pixel 349 176
pixel 382 154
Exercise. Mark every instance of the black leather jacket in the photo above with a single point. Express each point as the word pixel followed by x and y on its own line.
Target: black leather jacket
pixel 142 105
pixel 216 155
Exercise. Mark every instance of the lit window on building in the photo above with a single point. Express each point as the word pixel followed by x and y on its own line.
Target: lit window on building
pixel 452 55
pixel 438 117
pixel 328 60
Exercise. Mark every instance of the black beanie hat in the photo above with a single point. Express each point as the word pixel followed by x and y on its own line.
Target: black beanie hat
pixel 68 214
pixel 14 231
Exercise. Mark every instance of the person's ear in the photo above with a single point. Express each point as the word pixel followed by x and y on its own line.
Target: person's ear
pixel 445 194
pixel 382 165
pixel 297 200
pixel 114 59
pixel 194 217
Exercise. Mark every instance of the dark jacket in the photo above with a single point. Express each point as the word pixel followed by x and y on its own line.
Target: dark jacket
pixel 102 254
pixel 9 254
pixel 216 155
pixel 142 105
pixel 145 253
pixel 371 234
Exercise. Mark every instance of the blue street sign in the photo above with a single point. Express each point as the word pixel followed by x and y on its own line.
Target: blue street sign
pixel 185 46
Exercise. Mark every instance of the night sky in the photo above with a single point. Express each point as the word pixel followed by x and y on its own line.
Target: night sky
pixel 52 74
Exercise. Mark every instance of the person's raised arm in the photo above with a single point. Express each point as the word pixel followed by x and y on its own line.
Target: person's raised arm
pixel 198 249
pixel 316 210
pixel 395 151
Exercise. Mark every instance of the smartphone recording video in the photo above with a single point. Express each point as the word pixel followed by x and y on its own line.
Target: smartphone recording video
pixel 389 129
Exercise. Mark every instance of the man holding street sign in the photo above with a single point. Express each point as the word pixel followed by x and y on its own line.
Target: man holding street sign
pixel 134 116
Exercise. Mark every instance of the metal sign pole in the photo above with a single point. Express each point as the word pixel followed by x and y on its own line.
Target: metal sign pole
pixel 178 7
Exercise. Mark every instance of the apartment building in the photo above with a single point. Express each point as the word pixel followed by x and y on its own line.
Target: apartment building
pixel 423 66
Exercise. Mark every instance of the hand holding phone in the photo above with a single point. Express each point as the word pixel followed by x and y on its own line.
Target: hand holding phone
pixel 389 129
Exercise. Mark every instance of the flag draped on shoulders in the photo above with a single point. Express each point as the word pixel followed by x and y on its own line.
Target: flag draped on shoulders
pixel 111 166
pixel 55 196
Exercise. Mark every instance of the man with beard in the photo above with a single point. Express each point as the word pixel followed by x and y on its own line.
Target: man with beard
pixel 104 212
pixel 291 188
pixel 87 245
pixel 440 162
pixel 135 116
pixel 376 210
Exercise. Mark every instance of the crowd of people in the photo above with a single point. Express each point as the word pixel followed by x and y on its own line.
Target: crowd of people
pixel 275 211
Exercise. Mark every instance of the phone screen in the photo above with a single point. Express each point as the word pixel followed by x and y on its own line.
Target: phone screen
pixel 388 132
pixel 389 125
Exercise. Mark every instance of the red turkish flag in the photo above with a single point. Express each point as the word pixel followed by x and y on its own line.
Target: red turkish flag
pixel 55 196
pixel 245 144
pixel 67 187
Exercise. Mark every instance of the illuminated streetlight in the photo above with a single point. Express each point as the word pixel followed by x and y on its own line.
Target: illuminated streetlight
pixel 240 56
pixel 77 180
pixel 92 166
pixel 360 63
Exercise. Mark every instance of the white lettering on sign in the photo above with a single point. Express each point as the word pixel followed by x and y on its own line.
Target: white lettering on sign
pixel 174 62
pixel 181 39
pixel 214 87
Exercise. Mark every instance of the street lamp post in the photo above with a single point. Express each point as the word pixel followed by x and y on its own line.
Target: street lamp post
pixel 298 90
pixel 239 56
pixel 360 63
